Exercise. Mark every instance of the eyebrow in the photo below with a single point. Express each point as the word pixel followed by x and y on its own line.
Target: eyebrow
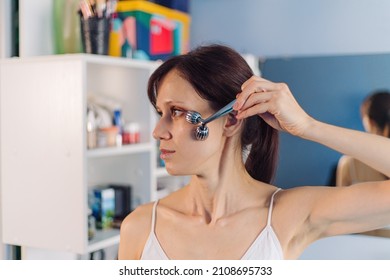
pixel 171 101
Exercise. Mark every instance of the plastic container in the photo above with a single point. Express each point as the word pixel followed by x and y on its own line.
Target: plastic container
pixel 180 5
pixel 107 136
pixel 91 130
pixel 131 133
pixel 91 224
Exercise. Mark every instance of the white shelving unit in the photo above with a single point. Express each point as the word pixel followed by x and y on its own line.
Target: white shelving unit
pixel 45 168
pixel 49 169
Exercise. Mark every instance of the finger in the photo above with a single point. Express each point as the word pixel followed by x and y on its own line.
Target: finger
pixel 255 98
pixel 271 120
pixel 247 93
pixel 251 79
pixel 254 86
pixel 256 81
pixel 260 108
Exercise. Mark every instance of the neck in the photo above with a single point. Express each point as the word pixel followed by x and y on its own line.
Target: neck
pixel 221 192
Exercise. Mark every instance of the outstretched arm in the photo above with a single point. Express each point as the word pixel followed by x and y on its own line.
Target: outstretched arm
pixel 329 211
pixel 275 103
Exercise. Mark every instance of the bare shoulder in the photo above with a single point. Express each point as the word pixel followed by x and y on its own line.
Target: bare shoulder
pixel 140 218
pixel 292 216
pixel 299 203
pixel 304 196
pixel 344 159
pixel 304 191
pixel 134 232
pixel 313 207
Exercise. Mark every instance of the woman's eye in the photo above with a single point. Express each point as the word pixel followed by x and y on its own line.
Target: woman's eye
pixel 176 112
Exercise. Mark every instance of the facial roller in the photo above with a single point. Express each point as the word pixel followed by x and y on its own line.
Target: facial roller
pixel 202 131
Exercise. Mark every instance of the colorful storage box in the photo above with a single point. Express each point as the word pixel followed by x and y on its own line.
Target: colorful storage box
pixel 181 5
pixel 104 207
pixel 145 30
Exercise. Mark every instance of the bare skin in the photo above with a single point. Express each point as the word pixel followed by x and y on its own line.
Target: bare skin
pixel 222 210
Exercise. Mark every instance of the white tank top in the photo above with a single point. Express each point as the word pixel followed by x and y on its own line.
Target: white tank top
pixel 266 246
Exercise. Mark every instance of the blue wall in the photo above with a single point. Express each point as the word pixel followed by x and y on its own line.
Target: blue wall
pixel 330 89
pixel 293 28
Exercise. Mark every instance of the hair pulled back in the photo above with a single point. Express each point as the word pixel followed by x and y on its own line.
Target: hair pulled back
pixel 377 107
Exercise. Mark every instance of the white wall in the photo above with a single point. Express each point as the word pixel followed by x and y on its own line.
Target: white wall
pixel 349 247
pixel 293 28
pixel 36 21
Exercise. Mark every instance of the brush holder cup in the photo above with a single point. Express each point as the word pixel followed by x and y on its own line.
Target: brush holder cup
pixel 95 34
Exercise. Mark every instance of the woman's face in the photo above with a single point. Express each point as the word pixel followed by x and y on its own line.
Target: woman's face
pixel 366 123
pixel 370 126
pixel 181 152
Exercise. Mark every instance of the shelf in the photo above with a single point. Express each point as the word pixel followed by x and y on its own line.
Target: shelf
pixel 103 239
pixel 60 162
pixel 91 58
pixel 118 61
pixel 117 151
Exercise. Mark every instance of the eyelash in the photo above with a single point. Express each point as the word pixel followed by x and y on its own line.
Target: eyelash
pixel 174 111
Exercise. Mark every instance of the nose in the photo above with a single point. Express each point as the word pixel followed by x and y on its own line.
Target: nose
pixel 161 130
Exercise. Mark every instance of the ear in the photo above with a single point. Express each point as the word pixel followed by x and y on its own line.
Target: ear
pixel 232 125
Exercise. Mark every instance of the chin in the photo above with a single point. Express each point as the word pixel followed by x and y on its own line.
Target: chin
pixel 176 171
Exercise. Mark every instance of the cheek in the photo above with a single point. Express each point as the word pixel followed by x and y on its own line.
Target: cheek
pixel 192 148
pixel 193 155
pixel 183 133
pixel 208 147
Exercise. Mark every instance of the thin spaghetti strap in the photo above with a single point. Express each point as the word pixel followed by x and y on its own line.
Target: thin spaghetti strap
pixel 154 212
pixel 271 207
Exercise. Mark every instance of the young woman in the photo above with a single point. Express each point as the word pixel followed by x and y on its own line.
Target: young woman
pixel 230 209
pixel 375 113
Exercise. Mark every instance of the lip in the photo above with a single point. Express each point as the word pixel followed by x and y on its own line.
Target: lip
pixel 166 154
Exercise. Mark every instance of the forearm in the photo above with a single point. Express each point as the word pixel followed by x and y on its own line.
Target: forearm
pixel 371 149
pixel 277 106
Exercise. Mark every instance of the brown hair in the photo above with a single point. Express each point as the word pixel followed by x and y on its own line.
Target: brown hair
pixel 217 72
pixel 377 107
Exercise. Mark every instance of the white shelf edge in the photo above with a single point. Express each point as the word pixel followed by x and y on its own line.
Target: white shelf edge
pixel 117 151
pixel 103 239
pixel 90 58
pixel 119 61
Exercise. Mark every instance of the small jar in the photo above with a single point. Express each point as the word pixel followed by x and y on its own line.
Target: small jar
pixel 131 133
pixel 107 136
pixel 91 139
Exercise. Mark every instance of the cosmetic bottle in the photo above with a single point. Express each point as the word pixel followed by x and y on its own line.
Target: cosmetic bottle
pixel 91 130
pixel 119 124
pixel 91 224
